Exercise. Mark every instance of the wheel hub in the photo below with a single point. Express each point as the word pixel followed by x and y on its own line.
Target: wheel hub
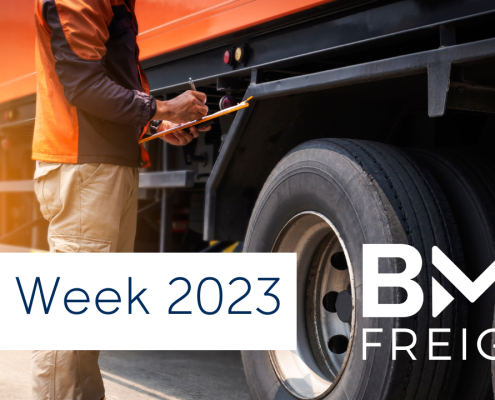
pixel 325 307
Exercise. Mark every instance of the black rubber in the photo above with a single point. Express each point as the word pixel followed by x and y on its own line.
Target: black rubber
pixel 493 355
pixel 468 180
pixel 372 193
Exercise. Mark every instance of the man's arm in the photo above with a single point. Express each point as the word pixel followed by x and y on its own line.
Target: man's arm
pixel 79 32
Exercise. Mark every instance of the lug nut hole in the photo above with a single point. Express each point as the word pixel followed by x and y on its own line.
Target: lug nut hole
pixel 338 261
pixel 329 301
pixel 338 344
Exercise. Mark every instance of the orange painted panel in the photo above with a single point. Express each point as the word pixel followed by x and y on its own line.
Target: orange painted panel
pixel 165 25
pixel 219 19
pixel 17 49
pixel 154 13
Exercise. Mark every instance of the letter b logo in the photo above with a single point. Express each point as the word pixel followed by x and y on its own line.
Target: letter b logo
pixel 372 280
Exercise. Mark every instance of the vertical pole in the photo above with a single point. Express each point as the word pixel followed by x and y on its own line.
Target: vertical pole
pixel 163 223
pixel 166 220
pixel 35 228
pixel 166 212
pixel 3 196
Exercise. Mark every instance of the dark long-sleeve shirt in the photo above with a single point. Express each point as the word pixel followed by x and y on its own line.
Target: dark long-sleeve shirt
pixel 93 99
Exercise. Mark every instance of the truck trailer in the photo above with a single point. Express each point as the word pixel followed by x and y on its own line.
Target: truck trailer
pixel 372 122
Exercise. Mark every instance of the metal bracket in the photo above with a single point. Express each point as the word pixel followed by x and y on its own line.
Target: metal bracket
pixel 447 36
pixel 168 179
pixel 470 97
pixel 16 186
pixel 438 87
pixel 255 76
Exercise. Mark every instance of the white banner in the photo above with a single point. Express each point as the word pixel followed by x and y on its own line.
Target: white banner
pixel 148 301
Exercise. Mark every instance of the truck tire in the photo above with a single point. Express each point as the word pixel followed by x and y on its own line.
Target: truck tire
pixel 324 200
pixel 493 355
pixel 468 180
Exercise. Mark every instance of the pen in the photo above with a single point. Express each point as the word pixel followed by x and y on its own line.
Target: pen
pixel 191 84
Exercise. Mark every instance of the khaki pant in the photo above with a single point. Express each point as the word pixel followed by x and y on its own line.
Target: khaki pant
pixel 92 208
pixel 66 375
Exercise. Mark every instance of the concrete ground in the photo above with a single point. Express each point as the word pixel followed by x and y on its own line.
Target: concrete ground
pixel 146 375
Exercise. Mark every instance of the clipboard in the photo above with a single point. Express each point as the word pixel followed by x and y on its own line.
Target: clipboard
pixel 229 110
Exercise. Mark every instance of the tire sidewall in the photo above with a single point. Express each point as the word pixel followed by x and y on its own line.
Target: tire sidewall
pixel 361 213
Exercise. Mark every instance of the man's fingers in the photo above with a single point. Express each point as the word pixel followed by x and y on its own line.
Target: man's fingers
pixel 204 128
pixel 200 96
pixel 186 137
pixel 199 103
pixel 181 138
pixel 201 109
pixel 198 115
pixel 194 131
pixel 201 128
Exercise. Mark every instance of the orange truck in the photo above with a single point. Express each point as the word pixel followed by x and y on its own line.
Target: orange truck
pixel 371 122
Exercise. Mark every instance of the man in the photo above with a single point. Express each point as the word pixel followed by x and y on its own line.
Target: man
pixel 93 104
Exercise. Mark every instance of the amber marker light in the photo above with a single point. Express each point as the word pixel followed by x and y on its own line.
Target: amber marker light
pixel 239 54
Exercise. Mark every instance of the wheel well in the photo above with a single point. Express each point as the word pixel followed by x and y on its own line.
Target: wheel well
pixel 391 111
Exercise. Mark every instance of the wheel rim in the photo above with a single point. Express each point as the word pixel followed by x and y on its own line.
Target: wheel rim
pixel 325 307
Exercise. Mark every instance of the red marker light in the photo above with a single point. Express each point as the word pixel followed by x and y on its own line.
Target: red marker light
pixel 228 57
pixel 227 101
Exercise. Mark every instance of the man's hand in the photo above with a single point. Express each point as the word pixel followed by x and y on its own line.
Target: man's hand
pixel 187 107
pixel 180 138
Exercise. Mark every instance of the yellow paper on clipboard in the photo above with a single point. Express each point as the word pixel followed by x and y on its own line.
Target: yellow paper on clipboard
pixel 239 106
